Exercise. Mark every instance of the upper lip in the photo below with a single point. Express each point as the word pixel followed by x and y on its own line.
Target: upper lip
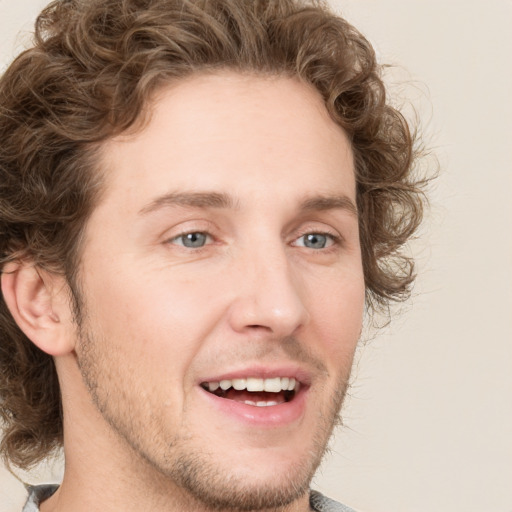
pixel 300 374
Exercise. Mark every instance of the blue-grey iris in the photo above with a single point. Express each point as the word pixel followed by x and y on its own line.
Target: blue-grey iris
pixel 194 240
pixel 315 241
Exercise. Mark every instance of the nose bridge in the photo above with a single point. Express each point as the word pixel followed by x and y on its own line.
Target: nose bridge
pixel 269 292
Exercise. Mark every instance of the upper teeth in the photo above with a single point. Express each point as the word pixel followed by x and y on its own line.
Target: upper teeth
pixel 274 385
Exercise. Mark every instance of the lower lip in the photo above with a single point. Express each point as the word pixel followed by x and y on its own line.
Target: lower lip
pixel 271 416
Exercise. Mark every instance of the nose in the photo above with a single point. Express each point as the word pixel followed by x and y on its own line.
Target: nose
pixel 269 295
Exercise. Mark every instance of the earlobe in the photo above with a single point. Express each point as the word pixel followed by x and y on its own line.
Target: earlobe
pixel 37 302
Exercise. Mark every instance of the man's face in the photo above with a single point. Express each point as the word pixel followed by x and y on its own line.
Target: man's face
pixel 223 288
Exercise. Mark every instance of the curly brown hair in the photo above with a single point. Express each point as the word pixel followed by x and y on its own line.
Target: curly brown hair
pixel 92 69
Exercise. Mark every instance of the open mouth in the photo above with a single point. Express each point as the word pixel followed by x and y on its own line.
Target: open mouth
pixel 255 391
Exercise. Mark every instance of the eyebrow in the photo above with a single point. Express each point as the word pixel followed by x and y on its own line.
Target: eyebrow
pixel 223 200
pixel 190 199
pixel 335 202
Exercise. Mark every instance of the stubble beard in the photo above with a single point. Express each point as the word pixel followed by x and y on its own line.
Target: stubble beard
pixel 202 481
pixel 201 478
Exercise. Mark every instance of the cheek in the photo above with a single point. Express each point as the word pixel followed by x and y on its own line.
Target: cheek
pixel 149 315
pixel 337 315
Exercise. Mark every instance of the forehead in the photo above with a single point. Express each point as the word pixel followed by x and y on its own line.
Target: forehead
pixel 228 130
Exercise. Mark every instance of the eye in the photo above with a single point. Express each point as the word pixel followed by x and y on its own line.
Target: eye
pixel 194 240
pixel 315 240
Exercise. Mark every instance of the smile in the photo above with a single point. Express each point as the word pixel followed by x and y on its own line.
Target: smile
pixel 255 391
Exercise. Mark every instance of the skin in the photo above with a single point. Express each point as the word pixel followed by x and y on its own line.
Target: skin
pixel 159 318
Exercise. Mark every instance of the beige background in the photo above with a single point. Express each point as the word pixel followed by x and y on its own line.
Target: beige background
pixel 429 420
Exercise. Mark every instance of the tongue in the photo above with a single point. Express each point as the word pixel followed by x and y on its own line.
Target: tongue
pixel 260 396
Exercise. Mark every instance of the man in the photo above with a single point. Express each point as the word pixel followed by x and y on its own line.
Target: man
pixel 198 200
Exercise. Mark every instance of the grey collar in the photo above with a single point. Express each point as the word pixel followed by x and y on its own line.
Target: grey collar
pixel 39 493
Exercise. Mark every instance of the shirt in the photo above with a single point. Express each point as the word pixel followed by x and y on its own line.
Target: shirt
pixel 318 502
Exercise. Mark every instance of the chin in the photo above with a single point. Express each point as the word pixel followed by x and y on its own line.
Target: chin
pixel 253 488
pixel 246 479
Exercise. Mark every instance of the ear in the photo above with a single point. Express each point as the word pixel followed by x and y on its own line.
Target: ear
pixel 39 304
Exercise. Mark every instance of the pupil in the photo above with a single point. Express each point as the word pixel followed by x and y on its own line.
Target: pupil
pixel 316 241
